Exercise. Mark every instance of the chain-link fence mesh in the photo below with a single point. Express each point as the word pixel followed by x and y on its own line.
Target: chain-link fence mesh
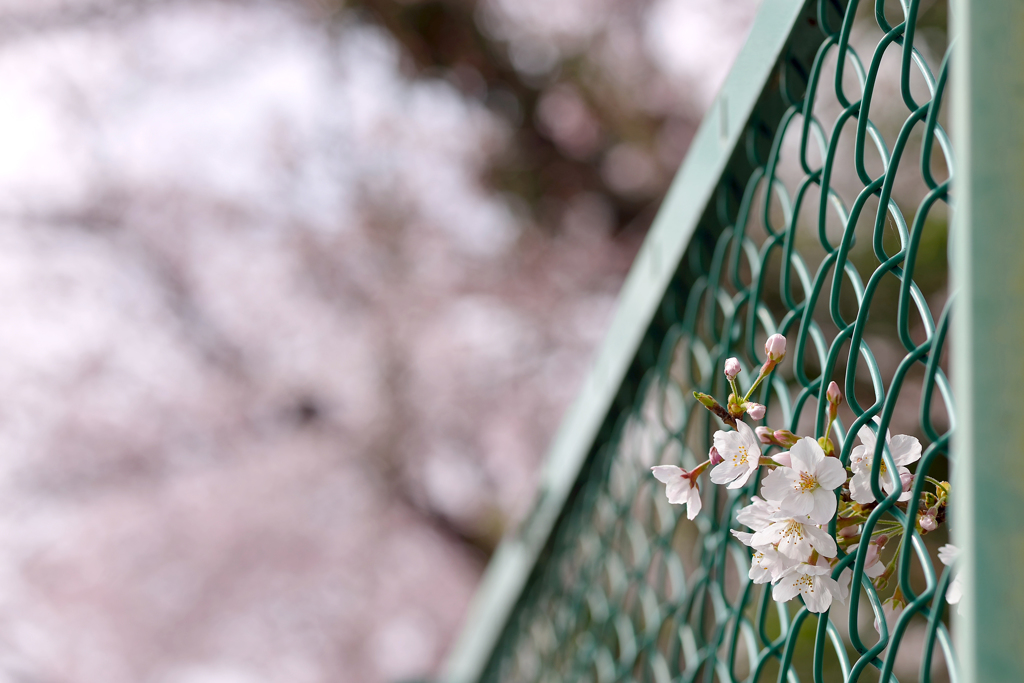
pixel 828 227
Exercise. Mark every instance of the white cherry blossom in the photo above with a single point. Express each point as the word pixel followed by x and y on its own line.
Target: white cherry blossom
pixel 741 453
pixel 768 565
pixel 796 537
pixel 905 450
pixel 679 487
pixel 806 488
pixel 813 582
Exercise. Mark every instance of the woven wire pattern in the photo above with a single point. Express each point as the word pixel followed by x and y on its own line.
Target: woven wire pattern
pixel 628 588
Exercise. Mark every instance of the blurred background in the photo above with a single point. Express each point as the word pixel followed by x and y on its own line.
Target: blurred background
pixel 293 294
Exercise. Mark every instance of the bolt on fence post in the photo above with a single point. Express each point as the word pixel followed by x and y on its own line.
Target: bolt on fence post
pixel 988 353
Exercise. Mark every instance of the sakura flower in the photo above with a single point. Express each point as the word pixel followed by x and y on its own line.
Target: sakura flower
pixel 755 410
pixel 732 368
pixel 905 450
pixel 769 565
pixel 679 487
pixel 741 455
pixel 795 537
pixel 947 556
pixel 806 488
pixel 813 582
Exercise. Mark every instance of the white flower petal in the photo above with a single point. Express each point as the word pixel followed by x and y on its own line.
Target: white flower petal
pixel 693 503
pixel 824 506
pixel 799 504
pixel 783 459
pixel 860 488
pixel 724 472
pixel 806 454
pixel 667 473
pixel 954 591
pixel 867 437
pixel 948 554
pixel 757 515
pixel 831 473
pixel 905 449
pixel 818 598
pixel 820 541
pixel 778 484
pixel 785 590
pixel 743 536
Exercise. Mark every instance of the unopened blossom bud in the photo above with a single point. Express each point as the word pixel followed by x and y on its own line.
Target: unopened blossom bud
pixel 874 548
pixel 786 438
pixel 835 397
pixel 765 435
pixel 849 531
pixel 706 400
pixel 929 520
pixel 714 456
pixel 755 410
pixel 732 368
pixel 775 348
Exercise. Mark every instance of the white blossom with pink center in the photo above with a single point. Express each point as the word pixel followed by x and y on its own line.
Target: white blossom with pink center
pixel 806 488
pixel 796 537
pixel 741 454
pixel 812 581
pixel 905 450
pixel 679 487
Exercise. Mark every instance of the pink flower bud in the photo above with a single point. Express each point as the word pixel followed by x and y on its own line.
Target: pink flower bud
pixel 874 548
pixel 849 531
pixel 714 457
pixel 755 410
pixel 834 395
pixel 784 459
pixel 765 435
pixel 732 368
pixel 786 437
pixel 775 348
pixel 928 522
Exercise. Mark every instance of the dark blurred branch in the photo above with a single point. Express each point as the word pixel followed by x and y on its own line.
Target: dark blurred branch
pixel 444 35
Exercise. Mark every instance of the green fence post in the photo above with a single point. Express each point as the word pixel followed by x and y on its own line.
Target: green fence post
pixel 988 267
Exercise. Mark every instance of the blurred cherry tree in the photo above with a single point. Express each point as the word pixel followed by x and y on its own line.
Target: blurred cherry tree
pixel 293 297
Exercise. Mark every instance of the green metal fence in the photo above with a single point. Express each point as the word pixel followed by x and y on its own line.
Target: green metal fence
pixel 813 203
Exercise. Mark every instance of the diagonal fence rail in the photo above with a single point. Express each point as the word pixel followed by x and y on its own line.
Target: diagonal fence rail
pixel 814 203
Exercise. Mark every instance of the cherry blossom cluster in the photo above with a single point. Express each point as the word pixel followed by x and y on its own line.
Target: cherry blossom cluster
pixel 792 548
